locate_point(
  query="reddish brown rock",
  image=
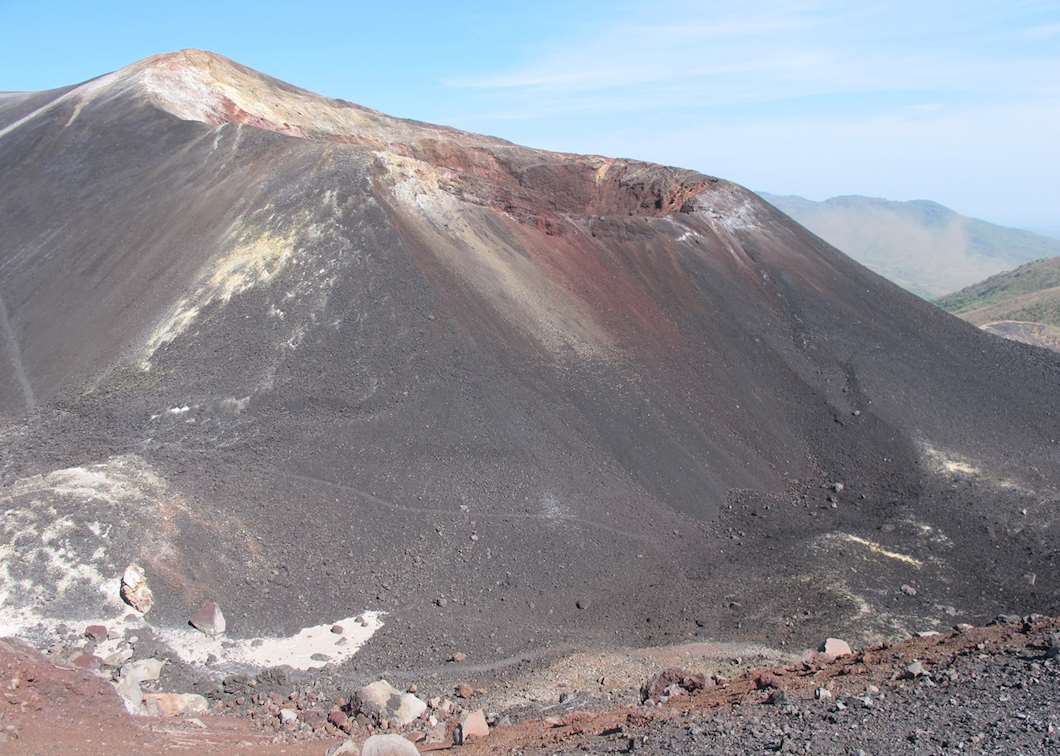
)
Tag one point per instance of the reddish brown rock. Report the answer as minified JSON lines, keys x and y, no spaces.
{"x":833,"y":648}
{"x":87,"y":661}
{"x":664,"y":684}
{"x":472,"y":725}
{"x":134,"y":590}
{"x":96,"y":632}
{"x":209,"y":619}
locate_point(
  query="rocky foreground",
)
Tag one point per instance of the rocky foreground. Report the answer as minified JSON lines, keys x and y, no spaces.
{"x":989,"y":689}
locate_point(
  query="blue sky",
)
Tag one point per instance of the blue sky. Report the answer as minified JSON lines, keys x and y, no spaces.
{"x":953,"y":101}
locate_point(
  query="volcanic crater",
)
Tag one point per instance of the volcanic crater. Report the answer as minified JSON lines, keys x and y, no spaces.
{"x":313,"y":362}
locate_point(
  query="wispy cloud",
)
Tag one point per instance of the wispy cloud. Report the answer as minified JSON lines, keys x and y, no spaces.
{"x":803,"y":95}
{"x":729,"y":55}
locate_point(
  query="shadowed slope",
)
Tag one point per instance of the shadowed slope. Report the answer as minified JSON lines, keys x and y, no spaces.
{"x":365,"y":363}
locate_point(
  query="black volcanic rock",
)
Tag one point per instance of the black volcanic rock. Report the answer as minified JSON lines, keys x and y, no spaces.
{"x":312,"y":360}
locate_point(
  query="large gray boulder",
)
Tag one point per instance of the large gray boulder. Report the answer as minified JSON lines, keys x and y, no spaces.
{"x":383,"y":701}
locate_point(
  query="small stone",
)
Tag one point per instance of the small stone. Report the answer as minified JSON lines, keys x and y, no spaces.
{"x":838,"y":487}
{"x":209,"y":619}
{"x":337,"y":629}
{"x":582,"y":604}
{"x":288,"y":716}
{"x":463,"y":690}
{"x":908,"y":590}
{"x":441,"y":602}
{"x":458,"y":657}
{"x":777,"y":698}
{"x":174,"y":704}
{"x":472,"y":725}
{"x":915,"y":670}
{"x":97,"y":633}
{"x":833,"y":648}
{"x":963,"y":627}
{"x":822,"y":694}
{"x":118,"y":658}
{"x":1053,"y":649}
{"x":134,"y":590}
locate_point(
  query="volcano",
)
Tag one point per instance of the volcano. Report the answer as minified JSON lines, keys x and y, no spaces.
{"x":310,"y":361}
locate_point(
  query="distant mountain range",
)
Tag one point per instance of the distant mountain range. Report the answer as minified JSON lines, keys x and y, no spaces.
{"x":1021,"y":304}
{"x":920,"y":245}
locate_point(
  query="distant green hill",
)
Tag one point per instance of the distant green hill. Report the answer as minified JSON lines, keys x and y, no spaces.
{"x":1023,"y":303}
{"x":920,"y":245}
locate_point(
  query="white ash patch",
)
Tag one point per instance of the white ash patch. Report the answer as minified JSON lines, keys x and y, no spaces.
{"x":869,"y":547}
{"x":296,"y":650}
{"x":952,"y":464}
{"x":251,"y":261}
{"x":64,"y":538}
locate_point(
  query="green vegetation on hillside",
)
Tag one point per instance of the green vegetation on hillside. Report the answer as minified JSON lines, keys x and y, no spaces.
{"x":1030,"y":292}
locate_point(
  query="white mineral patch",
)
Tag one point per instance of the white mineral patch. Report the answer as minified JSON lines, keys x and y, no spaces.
{"x":295,"y":651}
{"x":944,"y":462}
{"x":875,"y":548}
{"x":253,"y":260}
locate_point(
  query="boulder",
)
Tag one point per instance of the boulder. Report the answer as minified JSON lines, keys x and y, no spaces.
{"x":209,"y":619}
{"x":134,"y":589}
{"x":833,"y":648}
{"x":669,"y":681}
{"x":388,"y":745}
{"x":174,"y":704}
{"x":472,"y":725}
{"x":382,"y":700}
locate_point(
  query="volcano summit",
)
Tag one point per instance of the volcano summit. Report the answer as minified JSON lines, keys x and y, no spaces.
{"x":317,"y":364}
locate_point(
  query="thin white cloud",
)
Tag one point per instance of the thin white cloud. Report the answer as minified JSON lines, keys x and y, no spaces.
{"x":951,"y":100}
{"x":1043,"y":31}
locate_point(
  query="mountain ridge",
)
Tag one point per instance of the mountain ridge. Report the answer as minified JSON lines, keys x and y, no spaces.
{"x":920,"y":244}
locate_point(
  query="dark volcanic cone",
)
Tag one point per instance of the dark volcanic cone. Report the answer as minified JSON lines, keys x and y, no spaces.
{"x":308,"y":360}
